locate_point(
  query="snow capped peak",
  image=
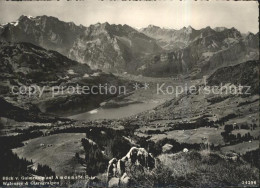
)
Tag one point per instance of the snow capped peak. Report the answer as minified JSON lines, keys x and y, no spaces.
{"x":14,"y":23}
{"x":2,"y":25}
{"x":30,"y":17}
{"x":26,"y":17}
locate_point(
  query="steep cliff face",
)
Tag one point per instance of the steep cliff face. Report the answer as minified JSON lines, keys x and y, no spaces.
{"x":45,"y":31}
{"x":252,"y":40}
{"x":112,"y":47}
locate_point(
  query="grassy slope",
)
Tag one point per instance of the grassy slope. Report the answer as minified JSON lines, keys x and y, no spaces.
{"x":59,"y":156}
{"x":199,"y":169}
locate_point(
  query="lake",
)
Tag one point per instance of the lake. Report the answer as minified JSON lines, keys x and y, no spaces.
{"x":115,"y":113}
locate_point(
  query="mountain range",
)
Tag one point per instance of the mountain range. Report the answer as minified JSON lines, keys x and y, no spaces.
{"x":151,"y":51}
{"x":199,"y":52}
{"x":104,"y":46}
{"x":177,"y":39}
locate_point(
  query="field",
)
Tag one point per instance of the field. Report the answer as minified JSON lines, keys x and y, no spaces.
{"x":242,"y":148}
{"x":200,"y":135}
{"x":57,"y":151}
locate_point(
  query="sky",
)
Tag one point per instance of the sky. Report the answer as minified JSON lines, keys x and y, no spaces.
{"x":242,"y":15}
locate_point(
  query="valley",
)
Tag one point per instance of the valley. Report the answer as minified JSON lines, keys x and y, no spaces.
{"x":193,"y":121}
{"x":146,"y":136}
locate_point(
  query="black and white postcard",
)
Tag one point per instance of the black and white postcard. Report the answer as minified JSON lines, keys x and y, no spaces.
{"x":129,"y":93}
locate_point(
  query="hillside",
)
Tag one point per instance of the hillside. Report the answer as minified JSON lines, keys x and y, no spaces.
{"x":201,"y":117}
{"x":24,"y":64}
{"x":28,"y":63}
{"x":245,"y":74}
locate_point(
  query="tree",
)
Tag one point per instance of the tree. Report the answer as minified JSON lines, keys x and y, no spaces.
{"x":228,"y":128}
{"x":77,"y":155}
{"x":238,"y":136}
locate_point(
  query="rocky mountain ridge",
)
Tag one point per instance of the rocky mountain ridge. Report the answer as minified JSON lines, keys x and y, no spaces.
{"x":205,"y":51}
{"x":151,"y":51}
{"x":45,"y":31}
{"x":171,"y":39}
{"x":108,"y":47}
{"x":113,"y":47}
